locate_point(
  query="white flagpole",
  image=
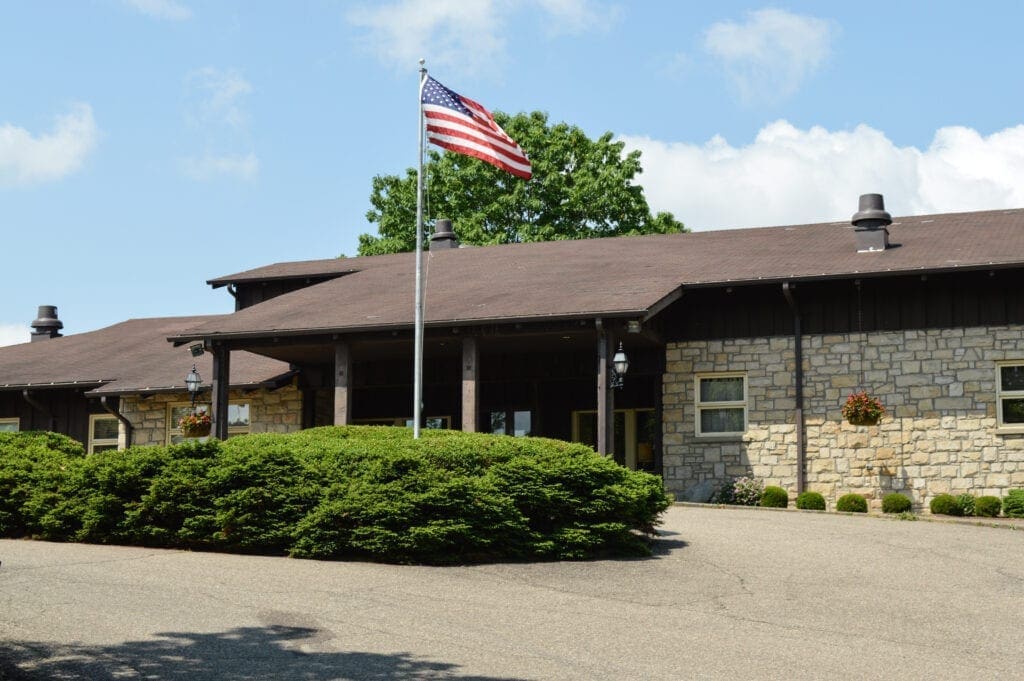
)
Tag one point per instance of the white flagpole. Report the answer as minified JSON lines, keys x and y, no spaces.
{"x":417,"y":386}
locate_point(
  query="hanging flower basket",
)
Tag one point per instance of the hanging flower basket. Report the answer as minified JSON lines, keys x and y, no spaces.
{"x":196,"y":424}
{"x":861,"y":409}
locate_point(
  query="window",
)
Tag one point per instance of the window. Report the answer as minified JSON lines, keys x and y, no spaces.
{"x":103,"y":432}
{"x":721,"y":404}
{"x":511,"y":422}
{"x":429,"y":422}
{"x":238,"y":419}
{"x":633,"y":445}
{"x":10,"y":425}
{"x":1010,"y":396}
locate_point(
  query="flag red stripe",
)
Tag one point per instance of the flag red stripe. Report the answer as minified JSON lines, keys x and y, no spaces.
{"x":520,"y":162}
{"x":526,"y":175}
{"x":500,"y":146}
{"x":457,"y":119}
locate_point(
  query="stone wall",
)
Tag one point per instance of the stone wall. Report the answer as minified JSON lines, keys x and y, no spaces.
{"x":277,"y":411}
{"x":939,"y":433}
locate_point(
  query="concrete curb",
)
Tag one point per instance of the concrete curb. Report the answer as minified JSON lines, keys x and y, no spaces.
{"x":1001,"y":523}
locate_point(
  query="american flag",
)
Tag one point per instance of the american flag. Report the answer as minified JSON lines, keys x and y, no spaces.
{"x":459,"y":124}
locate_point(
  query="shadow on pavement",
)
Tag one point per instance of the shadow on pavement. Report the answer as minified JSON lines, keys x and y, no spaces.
{"x":246,"y":653}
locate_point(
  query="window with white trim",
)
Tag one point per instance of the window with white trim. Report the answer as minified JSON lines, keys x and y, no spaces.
{"x":1010,"y":395}
{"x":103,"y":432}
{"x":721,"y":404}
{"x":10,"y":425}
{"x":238,"y":419}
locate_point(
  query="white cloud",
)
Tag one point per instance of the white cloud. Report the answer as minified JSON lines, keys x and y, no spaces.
{"x":161,"y":9}
{"x":210,"y":167}
{"x":792,"y":176}
{"x":768,"y":57}
{"x":218,"y":95}
{"x":30,"y":159}
{"x":12,"y":334}
{"x":463,"y":36}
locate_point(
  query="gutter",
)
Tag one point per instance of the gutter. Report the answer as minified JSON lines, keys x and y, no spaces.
{"x":798,"y":379}
{"x":120,"y":417}
{"x":38,"y":406}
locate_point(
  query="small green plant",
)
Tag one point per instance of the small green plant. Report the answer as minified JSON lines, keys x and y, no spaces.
{"x":1013,"y":504}
{"x":987,"y":507}
{"x":907,"y":515}
{"x":852,"y":503}
{"x":747,"y":491}
{"x":810,"y":501}
{"x":895,"y":502}
{"x":774,"y":497}
{"x":945,"y":504}
{"x":966,"y":503}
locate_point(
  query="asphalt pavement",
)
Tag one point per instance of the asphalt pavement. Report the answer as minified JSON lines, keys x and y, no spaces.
{"x":730,"y":594}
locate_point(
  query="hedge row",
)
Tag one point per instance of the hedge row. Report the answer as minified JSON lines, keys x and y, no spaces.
{"x":337,"y":492}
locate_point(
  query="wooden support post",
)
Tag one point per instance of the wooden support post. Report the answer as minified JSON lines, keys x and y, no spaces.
{"x":470,"y":392}
{"x":219,"y":397}
{"x":603,"y":379}
{"x":342,"y":384}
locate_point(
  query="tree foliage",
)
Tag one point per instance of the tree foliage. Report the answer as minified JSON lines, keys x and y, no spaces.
{"x":581,"y":188}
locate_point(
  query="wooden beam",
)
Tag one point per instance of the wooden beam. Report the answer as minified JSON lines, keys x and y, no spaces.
{"x":342,"y":384}
{"x":603,"y":379}
{"x":470,"y":386}
{"x":221,"y":381}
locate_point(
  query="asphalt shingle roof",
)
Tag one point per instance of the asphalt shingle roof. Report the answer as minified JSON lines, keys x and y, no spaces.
{"x":605,"y":277}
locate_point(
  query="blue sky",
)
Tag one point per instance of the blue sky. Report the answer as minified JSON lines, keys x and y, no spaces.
{"x":149,"y":145}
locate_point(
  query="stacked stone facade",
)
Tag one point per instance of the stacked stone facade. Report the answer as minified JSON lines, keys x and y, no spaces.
{"x":277,"y":411}
{"x":939,"y":433}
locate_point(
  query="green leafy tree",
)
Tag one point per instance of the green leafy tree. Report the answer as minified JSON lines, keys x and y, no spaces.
{"x":581,"y":188}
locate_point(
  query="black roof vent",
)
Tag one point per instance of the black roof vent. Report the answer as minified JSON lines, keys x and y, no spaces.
{"x":46,"y":325}
{"x":870,"y":222}
{"x":444,"y":236}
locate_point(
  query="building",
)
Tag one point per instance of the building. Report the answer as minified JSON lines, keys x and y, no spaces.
{"x":742,"y":347}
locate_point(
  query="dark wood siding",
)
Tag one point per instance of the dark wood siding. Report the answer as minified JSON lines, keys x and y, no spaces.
{"x":249,"y":294}
{"x":880,"y":304}
{"x":70,"y":410}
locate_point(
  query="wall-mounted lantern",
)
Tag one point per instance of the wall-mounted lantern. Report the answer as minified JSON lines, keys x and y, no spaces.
{"x":193,"y":383}
{"x":620,"y":365}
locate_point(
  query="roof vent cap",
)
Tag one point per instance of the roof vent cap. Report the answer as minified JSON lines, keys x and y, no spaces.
{"x":871,"y":213}
{"x":46,"y":324}
{"x":444,"y":235}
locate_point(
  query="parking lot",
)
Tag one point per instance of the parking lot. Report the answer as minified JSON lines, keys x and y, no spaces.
{"x":730,"y":593}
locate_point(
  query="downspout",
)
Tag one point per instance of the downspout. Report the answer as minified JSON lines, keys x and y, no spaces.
{"x":798,"y":378}
{"x":38,"y":406}
{"x":120,"y":417}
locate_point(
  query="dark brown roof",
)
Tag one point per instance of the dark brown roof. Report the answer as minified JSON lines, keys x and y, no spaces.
{"x":130,"y":357}
{"x":609,"y":277}
{"x":306,"y":269}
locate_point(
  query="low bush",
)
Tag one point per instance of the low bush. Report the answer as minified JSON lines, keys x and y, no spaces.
{"x":945,"y":504}
{"x":966,"y":503}
{"x":895,"y":502}
{"x":987,"y":507}
{"x":740,"y":492}
{"x":363,"y":492}
{"x":774,"y":497}
{"x":810,"y":501}
{"x":1013,"y":504}
{"x":852,"y":503}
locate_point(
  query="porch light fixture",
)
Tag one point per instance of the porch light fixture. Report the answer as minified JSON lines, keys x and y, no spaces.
{"x":192,"y":383}
{"x":620,"y":365}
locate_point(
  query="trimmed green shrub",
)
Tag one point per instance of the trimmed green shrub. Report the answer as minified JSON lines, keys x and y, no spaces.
{"x":1013,"y":504}
{"x":966,"y":504}
{"x":894,"y":502}
{"x":364,"y":492}
{"x":852,"y":503}
{"x":810,"y":501}
{"x":987,"y":507}
{"x":774,"y":497}
{"x":945,"y":504}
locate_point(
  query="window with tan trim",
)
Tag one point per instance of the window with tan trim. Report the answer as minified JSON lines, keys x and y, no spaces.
{"x":104,"y":431}
{"x":1010,"y":395}
{"x":720,"y":404}
{"x":10,"y":425}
